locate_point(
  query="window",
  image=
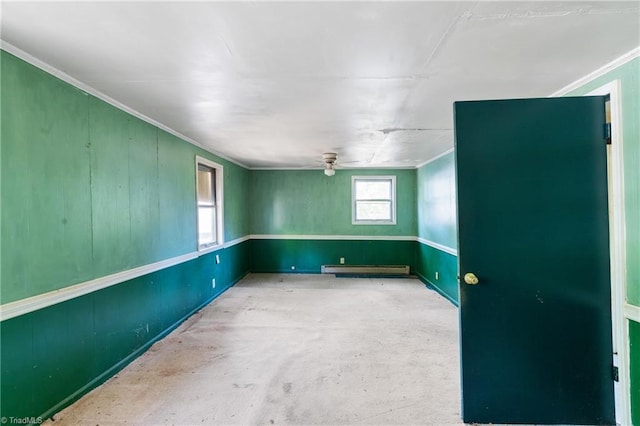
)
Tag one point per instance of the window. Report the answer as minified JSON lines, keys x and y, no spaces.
{"x":209,"y":198}
{"x":374,"y":200}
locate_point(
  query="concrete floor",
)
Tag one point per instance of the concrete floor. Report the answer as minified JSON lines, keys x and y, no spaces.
{"x":295,"y":349}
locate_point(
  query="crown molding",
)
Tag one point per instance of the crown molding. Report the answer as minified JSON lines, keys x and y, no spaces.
{"x":627,"y":57}
{"x":50,"y":69}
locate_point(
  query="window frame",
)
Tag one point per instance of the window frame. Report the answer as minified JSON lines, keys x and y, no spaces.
{"x":218,"y":204}
{"x":354,"y":200}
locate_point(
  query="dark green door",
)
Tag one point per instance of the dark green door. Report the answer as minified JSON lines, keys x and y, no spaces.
{"x":535,"y":331}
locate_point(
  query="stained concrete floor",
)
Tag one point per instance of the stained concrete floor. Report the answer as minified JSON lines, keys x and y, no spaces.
{"x":297,"y":350}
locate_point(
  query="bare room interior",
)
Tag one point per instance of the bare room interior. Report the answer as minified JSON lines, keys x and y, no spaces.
{"x":240,"y":213}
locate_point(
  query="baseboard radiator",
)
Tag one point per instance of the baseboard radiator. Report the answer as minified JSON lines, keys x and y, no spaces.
{"x":366,"y":269}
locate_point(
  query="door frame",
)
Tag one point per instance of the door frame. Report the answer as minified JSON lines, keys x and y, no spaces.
{"x":617,"y":252}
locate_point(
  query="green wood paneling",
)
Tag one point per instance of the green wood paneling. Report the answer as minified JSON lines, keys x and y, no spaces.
{"x":634,"y":356}
{"x":52,"y":356}
{"x":16,"y":121}
{"x":89,"y":190}
{"x":111,"y":208}
{"x":436,"y":201}
{"x":629,"y":76}
{"x":436,"y":210}
{"x":63,"y":336}
{"x":237,"y":202}
{"x":18,"y":376}
{"x":430,"y":260}
{"x":121,"y":327}
{"x":177,"y":209}
{"x":46,"y":234}
{"x":143,"y":192}
{"x":234,"y":262}
{"x":306,"y":202}
{"x":309,"y":255}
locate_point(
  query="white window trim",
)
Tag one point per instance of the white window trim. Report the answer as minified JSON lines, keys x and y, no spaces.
{"x":219,"y":168}
{"x":392,"y":178}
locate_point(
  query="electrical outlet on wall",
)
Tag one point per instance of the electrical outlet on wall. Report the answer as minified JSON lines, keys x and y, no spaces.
{"x":437,"y":275}
{"x":213,"y":283}
{"x":342,"y":260}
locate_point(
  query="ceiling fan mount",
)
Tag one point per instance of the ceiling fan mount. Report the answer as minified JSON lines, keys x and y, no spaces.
{"x":329,"y":159}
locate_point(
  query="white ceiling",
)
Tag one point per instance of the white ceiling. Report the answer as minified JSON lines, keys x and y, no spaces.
{"x":275,"y":85}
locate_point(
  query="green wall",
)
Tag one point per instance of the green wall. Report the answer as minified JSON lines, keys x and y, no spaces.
{"x":629,"y":76}
{"x":308,"y":256}
{"x":430,"y":260}
{"x":436,"y":212}
{"x":306,"y":202}
{"x":436,"y":200}
{"x":53,"y":356}
{"x":89,"y":191}
{"x":287,"y":204}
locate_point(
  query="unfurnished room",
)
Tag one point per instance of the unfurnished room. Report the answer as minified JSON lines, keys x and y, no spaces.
{"x":328,"y":213}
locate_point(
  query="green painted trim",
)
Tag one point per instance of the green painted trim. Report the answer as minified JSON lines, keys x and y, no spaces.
{"x":437,"y":289}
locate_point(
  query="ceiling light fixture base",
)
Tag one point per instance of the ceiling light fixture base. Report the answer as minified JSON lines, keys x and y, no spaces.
{"x":330,"y":159}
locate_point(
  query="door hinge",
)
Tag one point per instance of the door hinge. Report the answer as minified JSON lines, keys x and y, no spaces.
{"x":607,"y":133}
{"x":615,"y":374}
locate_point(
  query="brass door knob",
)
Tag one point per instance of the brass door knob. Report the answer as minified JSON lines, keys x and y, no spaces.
{"x":470,"y":278}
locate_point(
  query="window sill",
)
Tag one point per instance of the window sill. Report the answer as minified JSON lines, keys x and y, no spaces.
{"x":373,"y":223}
{"x":208,"y":248}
